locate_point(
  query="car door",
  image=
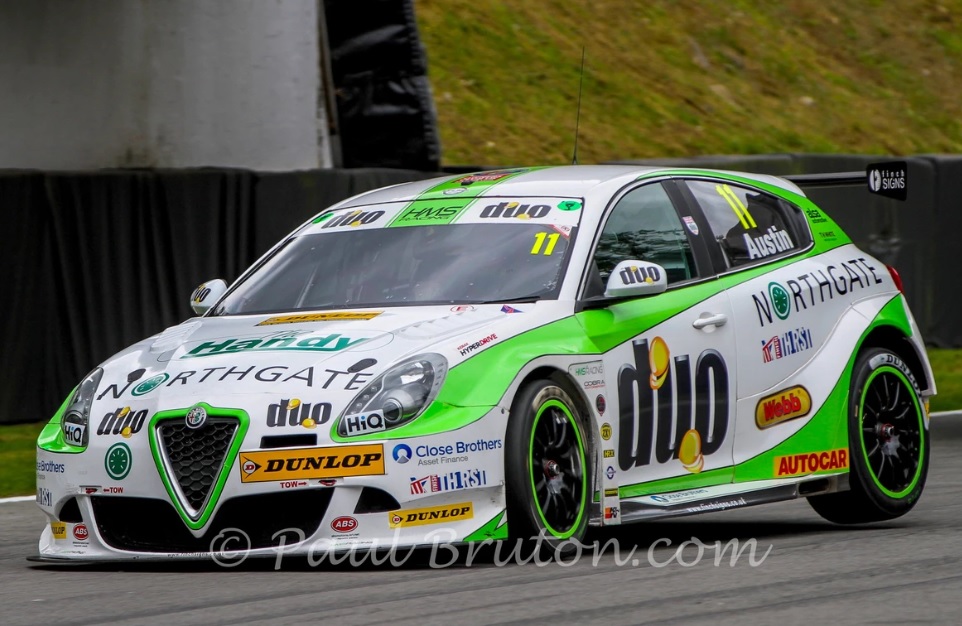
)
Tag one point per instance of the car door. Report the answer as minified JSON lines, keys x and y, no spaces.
{"x":668,"y":380}
{"x":778,"y":330}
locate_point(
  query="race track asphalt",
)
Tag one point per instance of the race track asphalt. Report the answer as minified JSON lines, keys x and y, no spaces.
{"x":815,"y":573}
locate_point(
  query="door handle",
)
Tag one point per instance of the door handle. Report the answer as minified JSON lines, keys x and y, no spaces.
{"x":710,"y":319}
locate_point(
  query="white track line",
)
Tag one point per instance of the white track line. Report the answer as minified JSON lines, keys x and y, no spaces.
{"x":17,"y":499}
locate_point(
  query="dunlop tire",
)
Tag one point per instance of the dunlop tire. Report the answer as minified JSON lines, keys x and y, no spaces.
{"x":867,"y":501}
{"x":524,"y":521}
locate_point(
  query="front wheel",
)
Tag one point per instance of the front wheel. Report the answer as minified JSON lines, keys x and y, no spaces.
{"x":888,"y":443}
{"x":546,"y":468}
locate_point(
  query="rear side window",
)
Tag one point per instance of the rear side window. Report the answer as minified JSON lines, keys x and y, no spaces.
{"x":750,"y":226}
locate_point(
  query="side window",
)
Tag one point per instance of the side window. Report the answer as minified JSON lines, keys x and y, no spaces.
{"x":644,"y":226}
{"x":750,"y":225}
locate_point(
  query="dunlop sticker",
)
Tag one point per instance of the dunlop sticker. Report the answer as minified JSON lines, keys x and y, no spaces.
{"x":431,"y":515}
{"x":59,"y":530}
{"x":309,"y":463}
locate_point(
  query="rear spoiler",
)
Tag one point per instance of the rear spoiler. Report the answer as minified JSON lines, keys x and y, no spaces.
{"x":889,"y":179}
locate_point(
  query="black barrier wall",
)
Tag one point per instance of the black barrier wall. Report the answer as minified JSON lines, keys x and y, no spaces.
{"x":92,"y":262}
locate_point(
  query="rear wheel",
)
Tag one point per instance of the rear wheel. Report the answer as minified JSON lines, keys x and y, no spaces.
{"x":547,"y":473}
{"x":888,"y":443}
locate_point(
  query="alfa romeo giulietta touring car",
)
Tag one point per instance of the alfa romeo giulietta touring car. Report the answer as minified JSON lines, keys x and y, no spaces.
{"x":509,"y":354}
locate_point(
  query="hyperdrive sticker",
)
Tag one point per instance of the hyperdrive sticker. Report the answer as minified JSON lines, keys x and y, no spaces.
{"x":309,"y":463}
{"x":431,"y":515}
{"x":335,"y":316}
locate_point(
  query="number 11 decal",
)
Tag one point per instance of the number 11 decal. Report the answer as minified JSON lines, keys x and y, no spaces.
{"x":539,"y":241}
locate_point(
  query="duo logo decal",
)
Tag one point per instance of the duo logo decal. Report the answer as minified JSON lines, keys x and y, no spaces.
{"x":686,"y":430}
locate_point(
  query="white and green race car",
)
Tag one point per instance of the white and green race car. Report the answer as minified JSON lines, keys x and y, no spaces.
{"x":508,"y":354}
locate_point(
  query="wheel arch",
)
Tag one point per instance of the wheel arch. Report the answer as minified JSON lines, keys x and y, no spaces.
{"x":548,"y":372}
{"x":561,"y":377}
{"x":893,"y":338}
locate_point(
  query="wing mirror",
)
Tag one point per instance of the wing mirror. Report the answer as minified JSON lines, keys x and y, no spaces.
{"x":636,"y":278}
{"x":206,"y":295}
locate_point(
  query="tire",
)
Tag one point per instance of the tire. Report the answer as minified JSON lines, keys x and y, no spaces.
{"x":888,"y":443}
{"x":547,"y":473}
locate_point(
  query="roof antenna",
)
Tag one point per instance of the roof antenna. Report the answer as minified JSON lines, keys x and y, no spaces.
{"x":581,"y":82}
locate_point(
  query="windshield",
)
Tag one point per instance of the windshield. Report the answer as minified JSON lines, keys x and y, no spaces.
{"x":462,"y":263}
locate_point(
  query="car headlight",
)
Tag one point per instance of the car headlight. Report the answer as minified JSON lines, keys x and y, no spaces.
{"x":77,"y":416}
{"x":395,"y":397}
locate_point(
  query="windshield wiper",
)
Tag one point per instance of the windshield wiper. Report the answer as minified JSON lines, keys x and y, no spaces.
{"x":529,"y":298}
